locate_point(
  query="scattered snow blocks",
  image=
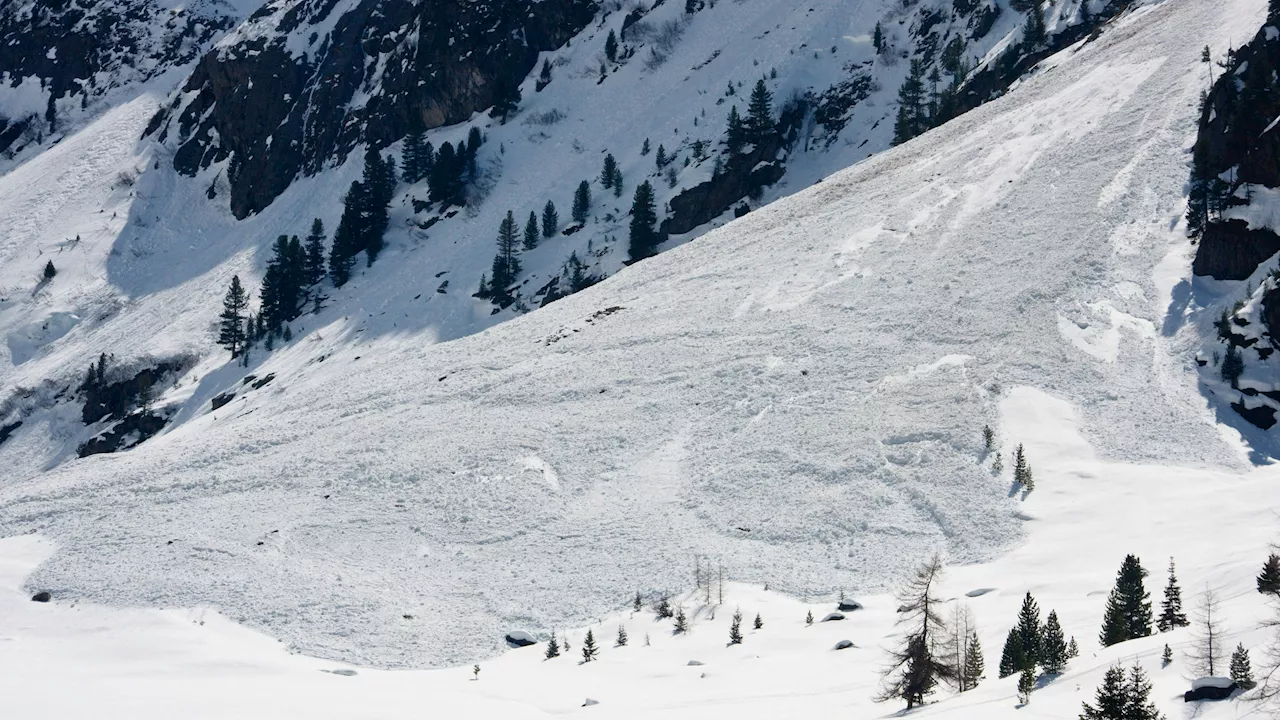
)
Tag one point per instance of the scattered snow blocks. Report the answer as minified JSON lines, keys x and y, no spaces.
{"x":833,"y":616}
{"x":520,"y":638}
{"x":843,"y":645}
{"x":1210,"y":688}
{"x":42,"y":596}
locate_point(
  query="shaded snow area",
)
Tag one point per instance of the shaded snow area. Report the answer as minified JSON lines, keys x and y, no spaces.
{"x":799,"y":394}
{"x":1084,"y":516}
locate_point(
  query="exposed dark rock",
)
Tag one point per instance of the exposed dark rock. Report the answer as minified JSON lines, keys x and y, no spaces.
{"x":831,"y":617}
{"x":222,"y":399}
{"x":263,"y":381}
{"x":131,"y":431}
{"x":7,"y":430}
{"x":442,"y":62}
{"x":1231,"y":251}
{"x":743,"y":175}
{"x":114,"y":400}
{"x":1263,"y":416}
{"x":520,"y":638}
{"x":1210,"y":692}
{"x":849,"y":605}
{"x":42,"y":596}
{"x":843,"y":645}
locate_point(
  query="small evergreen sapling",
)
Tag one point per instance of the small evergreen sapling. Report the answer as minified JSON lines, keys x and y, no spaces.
{"x":637,"y":603}
{"x":1073,"y":650}
{"x":553,"y":647}
{"x":808,"y":618}
{"x":758,"y":622}
{"x":621,"y":640}
{"x":589,"y":648}
{"x":1241,"y":672}
{"x":663,"y":608}
{"x":1269,"y":578}
{"x":1166,"y":657}
{"x":735,"y":628}
{"x":1022,"y":470}
{"x":682,"y":622}
{"x":1026,"y":683}
{"x":974,"y":663}
{"x":988,"y":438}
{"x":1171,"y":615}
{"x":49,"y":270}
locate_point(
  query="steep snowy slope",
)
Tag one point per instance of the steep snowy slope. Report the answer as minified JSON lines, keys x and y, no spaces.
{"x":799,"y":393}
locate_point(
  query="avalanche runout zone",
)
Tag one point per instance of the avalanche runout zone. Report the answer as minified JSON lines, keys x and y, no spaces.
{"x":826,"y":436}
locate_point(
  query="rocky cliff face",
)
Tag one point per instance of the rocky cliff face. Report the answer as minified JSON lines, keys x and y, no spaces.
{"x":304,"y":81}
{"x":59,"y":58}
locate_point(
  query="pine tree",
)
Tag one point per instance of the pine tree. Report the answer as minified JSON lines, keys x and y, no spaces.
{"x":553,"y":647}
{"x":1232,"y":366}
{"x":506,"y":100}
{"x":660,"y":159}
{"x":808,"y":618}
{"x":1269,"y":578}
{"x":759,"y":623}
{"x":644,"y":149}
{"x":1166,"y":657}
{"x":1111,"y":700}
{"x":644,"y":234}
{"x":445,"y":177}
{"x":1011,"y":658}
{"x":735,"y":136}
{"x":1029,"y":633}
{"x":735,"y":628}
{"x":589,"y":648}
{"x":611,"y":47}
{"x":911,"y":119}
{"x":531,"y":232}
{"x":917,"y":667}
{"x":1241,"y":672}
{"x":544,"y":77}
{"x":973,"y":662}
{"x":1026,"y":683}
{"x":621,"y":640}
{"x":1073,"y":650}
{"x":637,"y":603}
{"x":1022,"y":470}
{"x":1128,"y":612}
{"x":877,"y":39}
{"x":49,"y":270}
{"x":617,"y":181}
{"x":760,"y":114}
{"x":1053,"y":646}
{"x":1171,"y":615}
{"x":988,"y":438}
{"x":313,"y":266}
{"x":663,"y":608}
{"x":231,"y":334}
{"x":412,"y":168}
{"x":1034,"y":34}
{"x":682,"y":623}
{"x":380,"y":180}
{"x":582,"y":202}
{"x":1138,"y":705}
{"x":609,"y":171}
{"x":550,"y":219}
{"x":506,"y":264}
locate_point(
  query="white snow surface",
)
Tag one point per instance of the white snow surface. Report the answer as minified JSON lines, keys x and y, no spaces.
{"x":148,"y":664}
{"x":798,"y":394}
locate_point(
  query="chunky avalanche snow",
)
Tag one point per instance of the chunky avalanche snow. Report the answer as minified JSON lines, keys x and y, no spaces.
{"x":799,"y":393}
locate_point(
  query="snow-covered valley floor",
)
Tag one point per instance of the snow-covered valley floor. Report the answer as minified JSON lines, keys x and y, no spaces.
{"x":69,"y":659}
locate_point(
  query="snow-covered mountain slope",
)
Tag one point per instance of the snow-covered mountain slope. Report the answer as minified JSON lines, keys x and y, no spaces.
{"x":1087,"y":514}
{"x":799,"y":393}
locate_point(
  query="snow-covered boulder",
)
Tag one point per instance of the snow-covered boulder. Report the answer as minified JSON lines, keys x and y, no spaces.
{"x":843,"y":645}
{"x":1210,"y":688}
{"x":42,"y":596}
{"x":520,"y":638}
{"x":848,"y":605}
{"x":833,"y":616}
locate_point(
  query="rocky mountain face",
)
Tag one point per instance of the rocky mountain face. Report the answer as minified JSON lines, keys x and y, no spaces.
{"x":304,"y":81}
{"x":63,"y":59}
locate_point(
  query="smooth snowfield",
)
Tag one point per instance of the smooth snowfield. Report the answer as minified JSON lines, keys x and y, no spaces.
{"x":799,"y":394}
{"x":145,"y":664}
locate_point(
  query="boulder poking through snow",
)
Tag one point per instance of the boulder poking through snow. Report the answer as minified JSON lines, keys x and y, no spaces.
{"x":42,"y":596}
{"x":844,"y":645}
{"x":520,"y":638}
{"x":1210,"y":688}
{"x":833,"y":616}
{"x":847,"y":605}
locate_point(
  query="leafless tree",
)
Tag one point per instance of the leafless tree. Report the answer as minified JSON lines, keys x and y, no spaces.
{"x":921,"y":662}
{"x":1205,"y":656}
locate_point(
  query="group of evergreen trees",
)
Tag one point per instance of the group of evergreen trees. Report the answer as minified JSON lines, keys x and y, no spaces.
{"x":1122,"y":696}
{"x":506,"y":263}
{"x":364,"y":217}
{"x":1031,"y":644}
{"x":447,"y":171}
{"x":758,"y":126}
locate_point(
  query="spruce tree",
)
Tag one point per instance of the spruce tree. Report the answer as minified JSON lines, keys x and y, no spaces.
{"x":808,"y":617}
{"x":1029,"y":633}
{"x":988,"y":438}
{"x":1011,"y":658}
{"x":445,"y":177}
{"x":760,"y":114}
{"x":553,"y":647}
{"x":380,"y":181}
{"x":617,"y":181}
{"x":506,"y":264}
{"x":759,"y":623}
{"x":611,"y":47}
{"x":531,"y":232}
{"x":1269,"y":578}
{"x":1053,"y":646}
{"x":644,"y":234}
{"x":1138,"y":705}
{"x":644,"y":149}
{"x":735,"y":136}
{"x":609,"y":171}
{"x":682,"y":622}
{"x":49,"y":270}
{"x":877,"y":39}
{"x":1241,"y":672}
{"x":1073,"y":650}
{"x":550,"y":219}
{"x":313,"y":265}
{"x":231,"y":333}
{"x":621,"y":640}
{"x":1166,"y":656}
{"x":1232,"y":366}
{"x":637,"y":603}
{"x":1034,"y":34}
{"x":589,"y":648}
{"x":1171,"y":615}
{"x":1022,"y":470}
{"x":411,"y":160}
{"x":1026,"y":683}
{"x":735,"y":628}
{"x":506,"y":100}
{"x":1111,"y":699}
{"x":973,"y":662}
{"x":912,"y":120}
{"x":660,"y":159}
{"x":582,"y":202}
{"x":1128,"y":611}
{"x":663,"y":608}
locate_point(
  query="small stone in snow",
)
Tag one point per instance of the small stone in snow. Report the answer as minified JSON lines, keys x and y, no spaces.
{"x":42,"y":596}
{"x":843,"y":645}
{"x":695,"y":662}
{"x":833,"y":616}
{"x":589,"y":701}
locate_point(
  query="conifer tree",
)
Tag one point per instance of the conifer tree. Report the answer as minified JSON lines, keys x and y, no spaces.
{"x":644,"y":149}
{"x":1022,"y":470}
{"x":550,"y":219}
{"x":917,"y":667}
{"x":644,"y":234}
{"x":506,"y":264}
{"x":313,"y":265}
{"x":735,"y":136}
{"x":231,"y":333}
{"x":1232,"y":366}
{"x":506,"y":100}
{"x":660,"y":159}
{"x":1073,"y":650}
{"x":411,"y":161}
{"x":582,"y":202}
{"x":1205,"y":655}
{"x":759,"y":623}
{"x":988,"y":438}
{"x":553,"y":647}
{"x":637,"y":603}
{"x":1053,"y":646}
{"x":973,"y":662}
{"x":808,"y":617}
{"x":1011,"y":658}
{"x":1128,"y":612}
{"x":1166,"y":656}
{"x":877,"y":39}
{"x":531,"y":232}
{"x":1269,"y":578}
{"x":760,"y":114}
{"x":735,"y":628}
{"x":617,"y":181}
{"x":544,"y":76}
{"x":380,"y":180}
{"x":1026,"y":683}
{"x":621,"y":640}
{"x":445,"y":176}
{"x":682,"y":622}
{"x":1171,"y":615}
{"x":1138,"y":705}
{"x":609,"y":171}
{"x":1034,"y":34}
{"x":49,"y":270}
{"x":611,"y":47}
{"x":911,"y":119}
{"x":1029,"y":633}
{"x":589,"y":648}
{"x":1241,"y":672}
{"x":1111,"y":700}
{"x":663,"y":608}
